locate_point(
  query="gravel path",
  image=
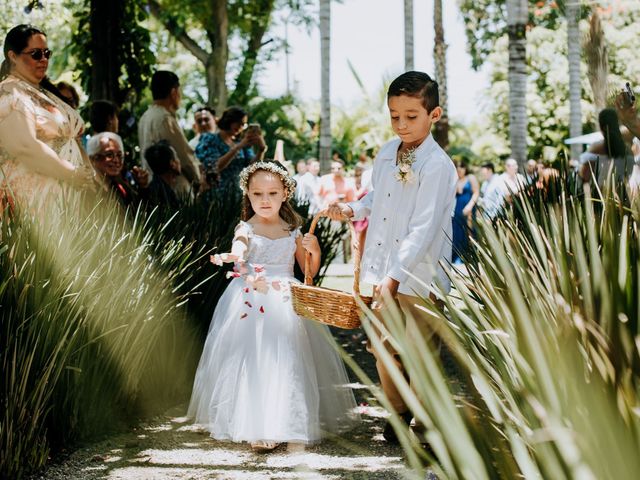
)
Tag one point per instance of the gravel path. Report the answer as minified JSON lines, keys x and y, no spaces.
{"x":170,"y":447}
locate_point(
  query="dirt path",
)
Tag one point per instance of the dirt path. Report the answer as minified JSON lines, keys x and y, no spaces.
{"x":170,"y":447}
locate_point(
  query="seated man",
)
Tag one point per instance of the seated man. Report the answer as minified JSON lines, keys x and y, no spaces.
{"x":105,"y":150}
{"x":163,"y":161}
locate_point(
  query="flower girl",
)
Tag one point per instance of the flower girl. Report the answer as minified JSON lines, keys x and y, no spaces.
{"x":266,"y":375}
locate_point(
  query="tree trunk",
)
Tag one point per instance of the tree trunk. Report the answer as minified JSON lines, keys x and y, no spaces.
{"x":517,"y":17}
{"x":259,"y":27}
{"x":441,"y":129}
{"x":575,"y":85}
{"x":218,"y":34}
{"x":408,"y":35}
{"x":597,"y":61}
{"x":325,"y":94}
{"x":105,"y":20}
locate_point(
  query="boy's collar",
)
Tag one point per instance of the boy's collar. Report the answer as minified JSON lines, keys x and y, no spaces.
{"x":427,"y":145}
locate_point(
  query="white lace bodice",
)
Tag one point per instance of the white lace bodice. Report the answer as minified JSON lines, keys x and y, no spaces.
{"x":267,"y":251}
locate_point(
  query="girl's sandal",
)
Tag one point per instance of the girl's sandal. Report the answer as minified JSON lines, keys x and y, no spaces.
{"x":263,"y":446}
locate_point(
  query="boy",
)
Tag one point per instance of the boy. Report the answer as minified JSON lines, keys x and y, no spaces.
{"x":409,"y":209}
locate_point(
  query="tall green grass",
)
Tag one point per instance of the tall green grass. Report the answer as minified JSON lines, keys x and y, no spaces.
{"x":102,"y":317}
{"x":544,"y":336}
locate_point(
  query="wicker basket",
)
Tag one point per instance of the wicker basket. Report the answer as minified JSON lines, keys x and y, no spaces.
{"x":325,"y":305}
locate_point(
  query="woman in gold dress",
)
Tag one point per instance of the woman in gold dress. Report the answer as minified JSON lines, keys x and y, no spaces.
{"x":39,"y":133}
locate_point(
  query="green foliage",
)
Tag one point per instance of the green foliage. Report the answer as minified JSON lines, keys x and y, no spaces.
{"x":544,"y":334}
{"x":548,"y":86}
{"x":132,"y":50}
{"x":93,"y":333}
{"x":486,"y":21}
{"x":102,"y":317}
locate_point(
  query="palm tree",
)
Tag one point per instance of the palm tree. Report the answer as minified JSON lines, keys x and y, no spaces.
{"x":575,"y":85}
{"x":408,"y":35}
{"x":517,"y":17}
{"x":595,"y":48}
{"x":441,"y":132}
{"x":325,"y":94}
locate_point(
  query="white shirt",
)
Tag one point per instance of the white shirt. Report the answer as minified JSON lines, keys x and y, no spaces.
{"x":307,"y":187}
{"x":410,"y":229}
{"x":493,"y":191}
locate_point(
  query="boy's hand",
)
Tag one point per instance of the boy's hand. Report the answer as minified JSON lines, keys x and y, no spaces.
{"x":339,"y":211}
{"x":310,"y":243}
{"x":386,"y":291}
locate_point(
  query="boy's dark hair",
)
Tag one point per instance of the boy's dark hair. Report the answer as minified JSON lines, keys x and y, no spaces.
{"x":101,"y":112}
{"x":159,"y":157}
{"x":229,"y":116}
{"x":490,"y":166}
{"x":418,"y":85}
{"x":162,"y":82}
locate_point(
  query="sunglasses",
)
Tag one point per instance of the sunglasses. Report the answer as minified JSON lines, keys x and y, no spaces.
{"x":38,"y":53}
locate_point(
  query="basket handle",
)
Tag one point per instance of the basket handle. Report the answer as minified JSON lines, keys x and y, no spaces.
{"x":308,"y":280}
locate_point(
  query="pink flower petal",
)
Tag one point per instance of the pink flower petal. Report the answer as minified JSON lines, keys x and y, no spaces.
{"x":244,"y":315}
{"x":258,"y":268}
{"x":276,"y":285}
{"x":261,"y":309}
{"x":246,"y":289}
{"x":248,"y":304}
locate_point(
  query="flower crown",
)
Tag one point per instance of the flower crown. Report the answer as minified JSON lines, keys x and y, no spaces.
{"x":273,"y":167}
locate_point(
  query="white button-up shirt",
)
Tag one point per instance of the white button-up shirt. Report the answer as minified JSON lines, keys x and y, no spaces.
{"x":410,"y":229}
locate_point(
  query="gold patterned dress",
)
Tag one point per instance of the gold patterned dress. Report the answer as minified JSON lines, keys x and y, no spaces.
{"x":39,"y":137}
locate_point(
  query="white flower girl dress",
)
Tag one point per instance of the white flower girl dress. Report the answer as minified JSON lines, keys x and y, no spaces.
{"x":267,"y":374}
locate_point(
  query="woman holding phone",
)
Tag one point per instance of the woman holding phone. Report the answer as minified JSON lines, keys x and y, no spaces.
{"x":225,"y":153}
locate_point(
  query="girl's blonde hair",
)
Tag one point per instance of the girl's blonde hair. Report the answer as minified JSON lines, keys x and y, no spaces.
{"x":287,"y":213}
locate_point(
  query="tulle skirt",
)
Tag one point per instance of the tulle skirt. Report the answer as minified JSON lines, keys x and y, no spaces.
{"x":267,"y":374}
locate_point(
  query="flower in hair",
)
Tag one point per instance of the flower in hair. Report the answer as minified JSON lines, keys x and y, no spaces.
{"x":288,"y":182}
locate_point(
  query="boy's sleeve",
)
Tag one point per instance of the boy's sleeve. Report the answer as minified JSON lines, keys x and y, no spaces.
{"x":362,"y":208}
{"x":435,"y":193}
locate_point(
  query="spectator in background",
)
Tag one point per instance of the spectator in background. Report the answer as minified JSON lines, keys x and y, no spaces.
{"x":609,"y":154}
{"x":106,"y":152}
{"x":161,"y":157}
{"x":512,"y":181}
{"x":531,"y":171}
{"x":360,"y":226}
{"x":492,"y":191}
{"x":69,"y":94}
{"x":204,"y":121}
{"x":308,"y":186}
{"x":225,"y":153}
{"x":159,"y":122}
{"x":334,"y":187}
{"x":467,"y":194}
{"x":301,"y":169}
{"x":104,"y":116}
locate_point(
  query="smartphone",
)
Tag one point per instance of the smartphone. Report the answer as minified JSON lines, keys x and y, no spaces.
{"x":253,"y":129}
{"x":628,"y":94}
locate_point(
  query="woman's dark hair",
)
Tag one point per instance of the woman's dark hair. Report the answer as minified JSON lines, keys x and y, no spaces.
{"x":418,"y":85}
{"x":159,"y":157}
{"x":462,"y":163}
{"x":102,"y":111}
{"x":162,"y":82}
{"x":74,"y":101}
{"x":16,"y":41}
{"x":229,"y":116}
{"x":610,"y":127}
{"x":287,"y":212}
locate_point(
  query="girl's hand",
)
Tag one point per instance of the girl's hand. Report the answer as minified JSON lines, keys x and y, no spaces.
{"x":310,"y":243}
{"x":219,"y":259}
